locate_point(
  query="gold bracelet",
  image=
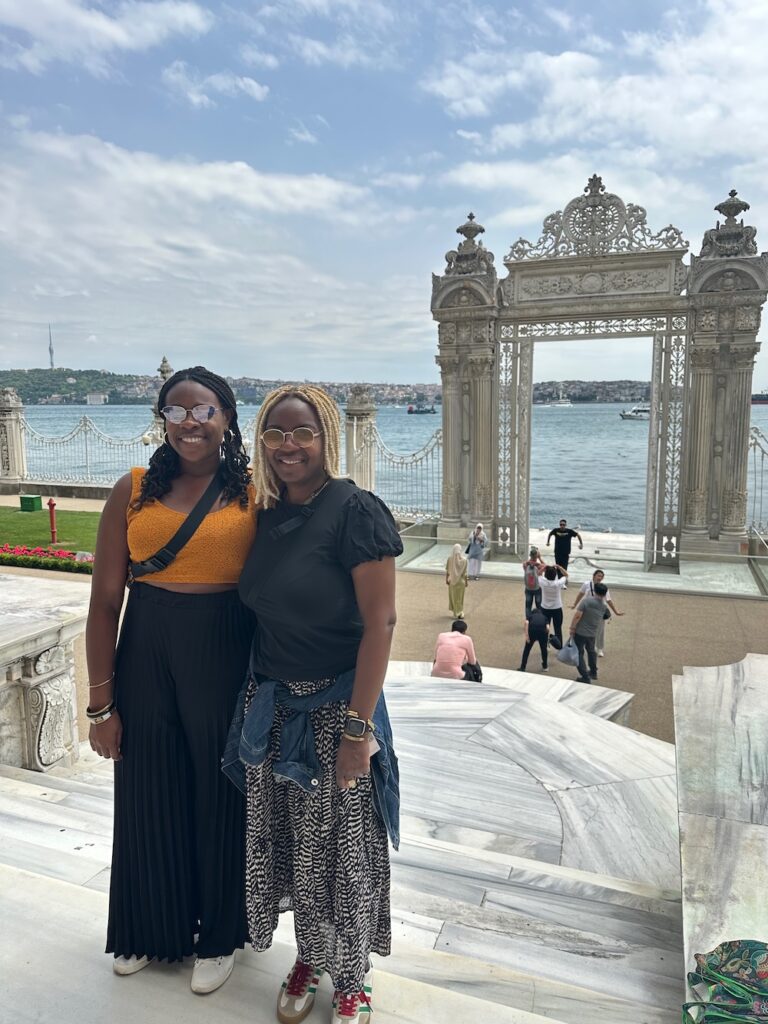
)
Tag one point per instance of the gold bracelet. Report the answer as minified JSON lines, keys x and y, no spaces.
{"x":95,"y":686}
{"x":355,"y":739}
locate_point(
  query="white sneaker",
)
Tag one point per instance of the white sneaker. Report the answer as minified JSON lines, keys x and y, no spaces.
{"x":130,"y":964}
{"x":601,"y":654}
{"x":210,"y":973}
{"x":356,"y":1009}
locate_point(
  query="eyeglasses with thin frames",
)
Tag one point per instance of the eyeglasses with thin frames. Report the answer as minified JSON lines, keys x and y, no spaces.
{"x":302,"y":437}
{"x":200,"y":413}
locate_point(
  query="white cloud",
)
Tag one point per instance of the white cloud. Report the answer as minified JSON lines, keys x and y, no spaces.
{"x":345,"y":52}
{"x":469,"y":136}
{"x":72,"y":31}
{"x":300,"y":133}
{"x":258,"y":58}
{"x":559,"y":17}
{"x":393,"y":179}
{"x":195,"y":88}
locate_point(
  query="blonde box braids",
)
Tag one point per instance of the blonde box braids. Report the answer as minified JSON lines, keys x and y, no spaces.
{"x":265,"y":481}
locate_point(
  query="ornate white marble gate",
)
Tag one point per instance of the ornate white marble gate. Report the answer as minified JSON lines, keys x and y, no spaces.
{"x":599,"y":272}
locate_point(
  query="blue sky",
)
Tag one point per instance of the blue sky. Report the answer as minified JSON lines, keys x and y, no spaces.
{"x":267,"y":188}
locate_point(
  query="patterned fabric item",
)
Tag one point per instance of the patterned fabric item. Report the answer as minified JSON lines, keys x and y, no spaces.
{"x":735,"y":975}
{"x":322,"y":854}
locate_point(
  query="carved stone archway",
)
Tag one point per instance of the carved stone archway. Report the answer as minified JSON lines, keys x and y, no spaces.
{"x":598,"y":271}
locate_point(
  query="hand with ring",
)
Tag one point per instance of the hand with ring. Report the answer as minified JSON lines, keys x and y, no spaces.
{"x":351,"y":783}
{"x":353,"y":761}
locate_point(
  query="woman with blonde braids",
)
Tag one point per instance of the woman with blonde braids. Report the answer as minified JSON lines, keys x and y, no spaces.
{"x":311,"y":742}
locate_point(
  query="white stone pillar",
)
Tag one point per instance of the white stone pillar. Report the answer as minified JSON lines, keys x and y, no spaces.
{"x":699,"y":438}
{"x":734,"y":500}
{"x":13,"y":455}
{"x":451,"y":387}
{"x":481,"y":370}
{"x":360,"y":447}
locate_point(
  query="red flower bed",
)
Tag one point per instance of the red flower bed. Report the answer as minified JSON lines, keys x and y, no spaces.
{"x":45,"y":558}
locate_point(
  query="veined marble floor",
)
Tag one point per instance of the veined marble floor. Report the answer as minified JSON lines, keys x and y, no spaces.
{"x":620,"y":555}
{"x":721,"y":724}
{"x":536,"y":878}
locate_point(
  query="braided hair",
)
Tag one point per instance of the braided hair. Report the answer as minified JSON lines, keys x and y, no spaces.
{"x":265,"y":481}
{"x":164,"y":463}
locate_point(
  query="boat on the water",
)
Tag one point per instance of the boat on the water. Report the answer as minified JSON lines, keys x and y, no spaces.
{"x":761,"y":397}
{"x":637,"y":412}
{"x":421,"y":410}
{"x":562,"y":402}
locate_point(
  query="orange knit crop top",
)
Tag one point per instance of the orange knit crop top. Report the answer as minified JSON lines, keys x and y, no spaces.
{"x":215,"y":553}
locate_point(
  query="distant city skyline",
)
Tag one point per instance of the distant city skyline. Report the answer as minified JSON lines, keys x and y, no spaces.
{"x":268,"y":188}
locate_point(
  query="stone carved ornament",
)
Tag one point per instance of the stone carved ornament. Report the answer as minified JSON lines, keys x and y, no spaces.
{"x":5,"y":450}
{"x":732,"y":237}
{"x":447,"y":334}
{"x":50,"y":709}
{"x":594,"y":224}
{"x":696,"y":508}
{"x":594,"y":283}
{"x":470,"y":257}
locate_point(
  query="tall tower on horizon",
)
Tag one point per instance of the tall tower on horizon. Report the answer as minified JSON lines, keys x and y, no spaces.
{"x":50,"y":346}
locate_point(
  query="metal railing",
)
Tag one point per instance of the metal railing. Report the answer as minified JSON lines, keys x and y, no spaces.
{"x":410,"y":484}
{"x":758,"y":484}
{"x":85,"y":455}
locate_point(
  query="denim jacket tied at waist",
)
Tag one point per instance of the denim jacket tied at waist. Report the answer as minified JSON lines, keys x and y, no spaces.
{"x":249,"y":737}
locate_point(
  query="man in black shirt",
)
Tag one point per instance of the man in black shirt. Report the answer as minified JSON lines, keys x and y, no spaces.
{"x":563,"y":535}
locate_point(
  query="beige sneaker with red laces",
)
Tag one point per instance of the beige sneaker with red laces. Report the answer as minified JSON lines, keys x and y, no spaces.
{"x":297,"y":994}
{"x":357,"y":1008}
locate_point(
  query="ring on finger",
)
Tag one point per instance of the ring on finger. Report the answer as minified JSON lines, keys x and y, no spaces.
{"x":351,"y":783}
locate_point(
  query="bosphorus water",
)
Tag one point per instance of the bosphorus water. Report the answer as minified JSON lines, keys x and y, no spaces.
{"x":587,"y":464}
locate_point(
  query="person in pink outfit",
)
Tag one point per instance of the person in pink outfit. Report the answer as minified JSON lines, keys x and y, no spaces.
{"x":452,"y":651}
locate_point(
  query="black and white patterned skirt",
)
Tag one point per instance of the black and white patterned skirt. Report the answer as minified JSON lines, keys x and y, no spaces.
{"x":322,"y":854}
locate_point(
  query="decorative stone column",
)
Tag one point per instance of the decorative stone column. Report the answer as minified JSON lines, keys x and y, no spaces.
{"x":728,"y":287}
{"x":361,"y":449}
{"x":465,"y":307}
{"x":156,"y":434}
{"x":13,"y":455}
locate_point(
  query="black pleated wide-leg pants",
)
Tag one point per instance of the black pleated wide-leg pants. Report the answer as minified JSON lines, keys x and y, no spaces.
{"x":178,"y":853}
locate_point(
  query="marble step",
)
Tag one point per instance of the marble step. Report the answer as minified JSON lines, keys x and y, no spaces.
{"x":61,"y":926}
{"x":489,"y":697}
{"x":68,"y":780}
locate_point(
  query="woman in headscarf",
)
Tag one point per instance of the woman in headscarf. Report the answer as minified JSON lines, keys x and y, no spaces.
{"x":475,"y":551}
{"x":456,"y":579}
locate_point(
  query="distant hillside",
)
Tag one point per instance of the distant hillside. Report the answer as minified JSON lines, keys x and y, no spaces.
{"x":69,"y":387}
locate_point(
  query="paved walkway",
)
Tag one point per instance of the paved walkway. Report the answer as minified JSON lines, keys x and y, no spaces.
{"x":658,"y":635}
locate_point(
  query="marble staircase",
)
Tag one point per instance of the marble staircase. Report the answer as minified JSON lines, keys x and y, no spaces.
{"x":535,"y":879}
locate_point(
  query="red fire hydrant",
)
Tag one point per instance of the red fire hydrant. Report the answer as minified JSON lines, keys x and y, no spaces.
{"x":52,"y":514}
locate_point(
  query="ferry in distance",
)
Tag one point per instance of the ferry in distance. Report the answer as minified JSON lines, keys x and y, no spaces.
{"x":637,"y":412}
{"x":761,"y":398}
{"x":562,"y":402}
{"x":421,"y":410}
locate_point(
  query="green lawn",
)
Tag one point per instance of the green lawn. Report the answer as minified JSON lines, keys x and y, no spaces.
{"x":75,"y":530}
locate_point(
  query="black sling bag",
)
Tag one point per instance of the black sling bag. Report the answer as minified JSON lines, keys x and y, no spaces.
{"x":163,"y":558}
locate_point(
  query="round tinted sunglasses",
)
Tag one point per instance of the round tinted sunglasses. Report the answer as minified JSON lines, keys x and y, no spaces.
{"x":302,"y":437}
{"x":200,"y":413}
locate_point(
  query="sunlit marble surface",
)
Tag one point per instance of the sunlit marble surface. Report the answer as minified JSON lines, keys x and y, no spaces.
{"x":597,"y":700}
{"x":721,"y":724}
{"x":29,"y":606}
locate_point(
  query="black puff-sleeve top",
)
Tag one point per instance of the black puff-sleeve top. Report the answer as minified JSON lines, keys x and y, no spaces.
{"x":299,"y":583}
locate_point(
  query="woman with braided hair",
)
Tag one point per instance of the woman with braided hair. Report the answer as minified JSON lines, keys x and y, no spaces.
{"x":314,"y":748}
{"x":162,"y":699}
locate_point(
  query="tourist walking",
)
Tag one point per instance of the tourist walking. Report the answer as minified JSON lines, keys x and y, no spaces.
{"x":588,"y":588}
{"x":563,"y":535}
{"x":584,"y":628}
{"x":161,"y":700}
{"x":476,"y":551}
{"x":314,"y":748}
{"x":552,"y":588}
{"x":533,"y":566}
{"x":536,"y":632}
{"x":456,"y":578}
{"x":453,"y":651}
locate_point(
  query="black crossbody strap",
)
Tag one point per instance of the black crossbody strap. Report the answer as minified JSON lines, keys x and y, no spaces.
{"x":163,"y":558}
